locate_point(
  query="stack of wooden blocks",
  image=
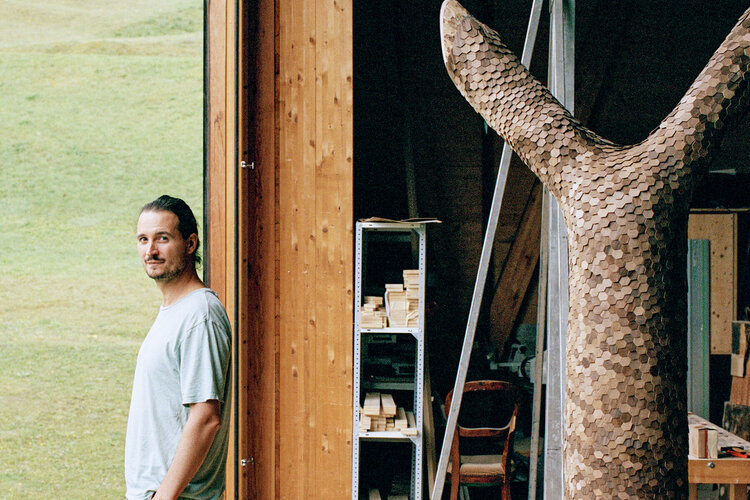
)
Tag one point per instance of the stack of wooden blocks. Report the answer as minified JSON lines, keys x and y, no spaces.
{"x":703,"y":441}
{"x":380,"y":414}
{"x":403,"y":301}
{"x":373,"y":313}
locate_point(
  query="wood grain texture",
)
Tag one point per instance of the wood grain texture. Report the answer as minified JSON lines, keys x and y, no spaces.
{"x":258,"y":248}
{"x":219,"y":175}
{"x":315,"y":248}
{"x":218,"y":130}
{"x":740,"y":392}
{"x":518,"y":272}
{"x":721,"y":230}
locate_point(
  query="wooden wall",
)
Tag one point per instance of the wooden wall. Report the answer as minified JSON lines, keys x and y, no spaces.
{"x":293,"y":231}
{"x":315,"y":248}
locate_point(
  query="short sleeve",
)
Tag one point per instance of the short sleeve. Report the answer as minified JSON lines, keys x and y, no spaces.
{"x":204,"y":363}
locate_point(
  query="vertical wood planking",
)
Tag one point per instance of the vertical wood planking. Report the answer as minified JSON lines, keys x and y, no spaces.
{"x":721,"y":230}
{"x":334,"y":259}
{"x":315,"y":248}
{"x":294,"y":223}
{"x":217,"y":146}
{"x":220,"y":178}
{"x":258,"y":253}
{"x":297,"y":232}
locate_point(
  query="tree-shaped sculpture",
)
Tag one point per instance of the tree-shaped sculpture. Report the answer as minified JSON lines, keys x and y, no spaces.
{"x":626,"y":210}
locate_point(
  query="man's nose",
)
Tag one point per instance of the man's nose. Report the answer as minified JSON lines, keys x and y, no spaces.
{"x":152,"y":250}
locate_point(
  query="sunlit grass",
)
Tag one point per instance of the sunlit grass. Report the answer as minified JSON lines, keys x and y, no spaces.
{"x":92,"y":125}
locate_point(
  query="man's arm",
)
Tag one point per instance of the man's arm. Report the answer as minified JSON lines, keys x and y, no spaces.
{"x":202,"y":424}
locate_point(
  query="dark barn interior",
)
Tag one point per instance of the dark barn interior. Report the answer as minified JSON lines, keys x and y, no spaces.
{"x":633,"y":63}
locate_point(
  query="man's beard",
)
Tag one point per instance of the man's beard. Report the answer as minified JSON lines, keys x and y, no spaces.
{"x":168,"y":274}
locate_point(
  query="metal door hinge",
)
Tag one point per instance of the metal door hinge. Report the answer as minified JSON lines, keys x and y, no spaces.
{"x":250,"y":165}
{"x":247,"y":461}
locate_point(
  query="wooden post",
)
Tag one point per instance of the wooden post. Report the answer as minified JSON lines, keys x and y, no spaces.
{"x":279,"y":191}
{"x":220,"y":183}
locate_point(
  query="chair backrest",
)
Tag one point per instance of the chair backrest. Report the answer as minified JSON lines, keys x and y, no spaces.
{"x":495,"y":417}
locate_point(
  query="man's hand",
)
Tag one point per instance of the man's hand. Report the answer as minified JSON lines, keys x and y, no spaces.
{"x":203,"y":422}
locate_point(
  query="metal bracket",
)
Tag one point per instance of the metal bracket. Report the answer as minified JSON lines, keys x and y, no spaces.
{"x":250,"y":165}
{"x":247,"y":461}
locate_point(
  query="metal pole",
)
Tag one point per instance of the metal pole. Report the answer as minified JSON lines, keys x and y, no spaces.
{"x":476,"y":300}
{"x":541,"y":316}
{"x":562,"y":35}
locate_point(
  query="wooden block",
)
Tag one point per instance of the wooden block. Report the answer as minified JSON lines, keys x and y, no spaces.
{"x":694,"y":441}
{"x":712,"y":443}
{"x":372,"y":404}
{"x":364,"y":423}
{"x":400,"y":422}
{"x":374,"y":299}
{"x":388,"y":405}
{"x":740,"y":332}
{"x":411,"y":429}
{"x":703,"y":441}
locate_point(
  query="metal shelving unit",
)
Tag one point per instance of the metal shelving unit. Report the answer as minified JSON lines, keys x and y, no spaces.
{"x":411,"y":236}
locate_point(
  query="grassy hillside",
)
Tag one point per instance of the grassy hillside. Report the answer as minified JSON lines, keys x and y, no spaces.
{"x":102,"y":112}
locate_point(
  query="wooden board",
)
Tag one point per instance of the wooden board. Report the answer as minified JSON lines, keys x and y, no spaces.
{"x":257,"y":329}
{"x":740,"y":392}
{"x":219,"y":244}
{"x":315,"y":268}
{"x":517,"y":273}
{"x":721,"y":230}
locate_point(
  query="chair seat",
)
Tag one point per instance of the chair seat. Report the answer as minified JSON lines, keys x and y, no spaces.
{"x":488,"y":467}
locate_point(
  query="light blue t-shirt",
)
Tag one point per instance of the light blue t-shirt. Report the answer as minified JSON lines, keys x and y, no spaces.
{"x":184,"y":359}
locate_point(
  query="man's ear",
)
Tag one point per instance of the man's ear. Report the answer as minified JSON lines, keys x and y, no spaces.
{"x":192,"y":243}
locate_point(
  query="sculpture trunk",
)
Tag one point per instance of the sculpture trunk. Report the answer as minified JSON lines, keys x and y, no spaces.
{"x":626,"y":214}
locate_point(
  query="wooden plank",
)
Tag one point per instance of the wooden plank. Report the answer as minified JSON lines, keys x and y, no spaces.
{"x":215,"y":249}
{"x":518,"y":272}
{"x":740,"y":335}
{"x":296,"y":185}
{"x":428,"y":425}
{"x":258,"y":248}
{"x":335,"y":252}
{"x":315,"y":254}
{"x":721,"y":230}
{"x":219,"y":177}
{"x":723,"y":471}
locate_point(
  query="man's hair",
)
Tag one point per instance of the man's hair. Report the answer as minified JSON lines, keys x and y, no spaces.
{"x":186,"y":222}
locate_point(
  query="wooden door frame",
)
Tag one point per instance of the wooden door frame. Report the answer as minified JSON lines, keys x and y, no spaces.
{"x":279,"y":246}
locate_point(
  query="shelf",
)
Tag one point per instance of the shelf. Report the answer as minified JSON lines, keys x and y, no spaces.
{"x":392,"y":384}
{"x":391,"y":359}
{"x":391,"y":330}
{"x":387,"y":436}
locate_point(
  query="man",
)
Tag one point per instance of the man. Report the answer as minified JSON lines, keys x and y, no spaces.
{"x":176,"y":442}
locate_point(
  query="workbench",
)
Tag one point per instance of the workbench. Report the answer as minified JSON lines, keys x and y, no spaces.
{"x":732,"y":471}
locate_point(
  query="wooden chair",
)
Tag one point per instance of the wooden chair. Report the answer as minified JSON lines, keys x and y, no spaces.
{"x":491,"y":469}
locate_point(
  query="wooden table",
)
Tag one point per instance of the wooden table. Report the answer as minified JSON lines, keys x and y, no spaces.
{"x":732,"y":471}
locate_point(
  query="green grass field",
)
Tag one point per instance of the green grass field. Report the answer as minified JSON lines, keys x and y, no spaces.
{"x":101,"y":112}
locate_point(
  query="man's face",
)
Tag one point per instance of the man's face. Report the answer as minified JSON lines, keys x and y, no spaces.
{"x":163,"y":251}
